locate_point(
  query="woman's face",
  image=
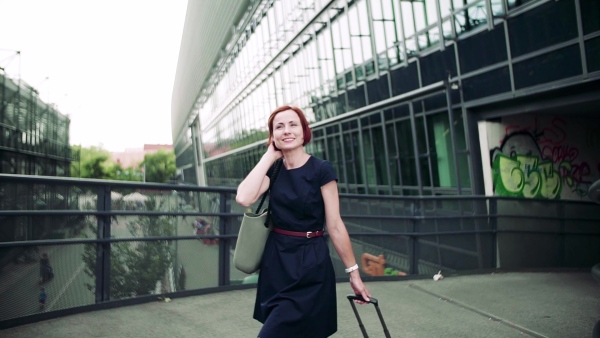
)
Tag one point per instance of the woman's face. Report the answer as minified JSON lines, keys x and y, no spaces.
{"x":287,"y":130}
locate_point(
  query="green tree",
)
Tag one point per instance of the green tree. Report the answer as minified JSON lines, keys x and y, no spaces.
{"x":117,"y":172}
{"x":95,"y":162}
{"x":136,"y":267}
{"x":159,"y":166}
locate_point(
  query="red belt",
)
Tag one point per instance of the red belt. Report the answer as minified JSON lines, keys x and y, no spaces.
{"x":309,"y":234}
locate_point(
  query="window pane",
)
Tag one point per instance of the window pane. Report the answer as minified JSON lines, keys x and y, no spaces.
{"x":590,"y":10}
{"x":369,"y":159}
{"x":592,"y":53}
{"x":380,"y":158}
{"x":442,"y":157}
{"x":379,"y":35}
{"x":357,"y":163}
{"x":404,"y":144}
{"x":394,"y":163}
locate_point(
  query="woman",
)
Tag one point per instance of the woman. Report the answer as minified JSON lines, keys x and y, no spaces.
{"x":296,"y":288}
{"x":45,"y":268}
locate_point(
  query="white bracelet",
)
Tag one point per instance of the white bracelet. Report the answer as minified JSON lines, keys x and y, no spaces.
{"x":352,"y":268}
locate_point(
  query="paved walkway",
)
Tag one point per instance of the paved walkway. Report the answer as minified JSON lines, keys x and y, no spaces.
{"x":523,"y":304}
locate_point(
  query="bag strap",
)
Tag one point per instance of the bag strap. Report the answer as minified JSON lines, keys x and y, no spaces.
{"x":276,"y":168}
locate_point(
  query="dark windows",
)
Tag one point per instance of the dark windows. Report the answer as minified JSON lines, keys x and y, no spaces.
{"x":552,"y":66}
{"x":423,"y":150}
{"x":406,"y":155}
{"x":316,"y":147}
{"x":396,"y":112}
{"x":462,"y":151}
{"x":542,"y":26}
{"x":592,"y":54}
{"x":353,"y":159}
{"x":405,"y":79}
{"x":374,"y":148}
{"x":336,"y":154}
{"x":590,"y":12}
{"x":378,"y":89}
{"x":493,"y":82}
{"x":436,"y":67}
{"x":481,"y":50}
{"x":442,"y":156}
{"x":356,"y":98}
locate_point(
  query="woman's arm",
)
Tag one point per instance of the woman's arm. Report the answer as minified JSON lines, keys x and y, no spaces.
{"x":340,"y":238}
{"x":257,"y":181}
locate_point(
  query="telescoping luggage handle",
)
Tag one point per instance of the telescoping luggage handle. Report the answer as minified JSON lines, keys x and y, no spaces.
{"x":373,"y":301}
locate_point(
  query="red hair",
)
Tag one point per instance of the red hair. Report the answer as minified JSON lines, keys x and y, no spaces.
{"x":303,"y":123}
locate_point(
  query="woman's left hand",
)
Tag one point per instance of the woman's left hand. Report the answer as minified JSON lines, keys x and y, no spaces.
{"x":359,"y":287}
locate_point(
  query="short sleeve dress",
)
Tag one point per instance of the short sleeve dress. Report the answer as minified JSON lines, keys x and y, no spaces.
{"x":296,"y":294}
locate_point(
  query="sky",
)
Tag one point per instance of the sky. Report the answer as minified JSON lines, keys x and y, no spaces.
{"x":107,"y":64}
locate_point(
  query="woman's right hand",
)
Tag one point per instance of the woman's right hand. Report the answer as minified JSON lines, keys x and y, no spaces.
{"x":276,"y":154}
{"x":359,"y":287}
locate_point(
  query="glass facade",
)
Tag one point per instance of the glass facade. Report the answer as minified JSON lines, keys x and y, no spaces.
{"x":34,"y":136}
{"x":387,"y":85}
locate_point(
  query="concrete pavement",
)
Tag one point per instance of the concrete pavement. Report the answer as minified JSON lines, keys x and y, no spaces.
{"x":511,"y":304}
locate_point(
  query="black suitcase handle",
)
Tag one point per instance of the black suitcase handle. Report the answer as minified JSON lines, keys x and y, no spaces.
{"x":373,"y":301}
{"x":357,"y":297}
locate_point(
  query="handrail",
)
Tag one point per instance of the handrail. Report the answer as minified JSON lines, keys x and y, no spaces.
{"x":422,"y":236}
{"x":111,"y":183}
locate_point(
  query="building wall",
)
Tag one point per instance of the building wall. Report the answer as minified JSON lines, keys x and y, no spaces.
{"x":34,"y":140}
{"x":132,"y":157}
{"x":34,"y":135}
{"x":208,"y":27}
{"x":394,"y":90}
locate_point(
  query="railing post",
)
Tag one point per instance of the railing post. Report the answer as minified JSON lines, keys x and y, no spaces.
{"x":224,"y":244}
{"x":103,"y":203}
{"x":493,"y":219}
{"x":562,"y":258}
{"x":412,"y":242}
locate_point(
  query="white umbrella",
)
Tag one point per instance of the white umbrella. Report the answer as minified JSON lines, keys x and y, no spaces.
{"x":135,"y":197}
{"x":113,"y":196}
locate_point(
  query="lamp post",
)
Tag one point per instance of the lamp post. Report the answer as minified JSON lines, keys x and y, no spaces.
{"x":16,"y":53}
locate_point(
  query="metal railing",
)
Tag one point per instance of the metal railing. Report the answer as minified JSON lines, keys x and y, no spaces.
{"x":113,"y":243}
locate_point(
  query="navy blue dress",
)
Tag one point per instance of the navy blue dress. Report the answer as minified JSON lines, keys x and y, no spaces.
{"x":296,"y":294}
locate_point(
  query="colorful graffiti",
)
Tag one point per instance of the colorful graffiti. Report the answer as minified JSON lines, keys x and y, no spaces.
{"x":542,"y":164}
{"x":525,"y":176}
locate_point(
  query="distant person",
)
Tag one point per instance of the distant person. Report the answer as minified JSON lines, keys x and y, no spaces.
{"x":208,"y":230}
{"x":201,"y":226}
{"x":182,"y":208}
{"x":42,"y":298}
{"x":195,"y":226}
{"x":204,"y":227}
{"x":46,"y":272}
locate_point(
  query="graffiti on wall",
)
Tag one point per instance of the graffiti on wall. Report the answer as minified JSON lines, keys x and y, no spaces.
{"x":542,"y":162}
